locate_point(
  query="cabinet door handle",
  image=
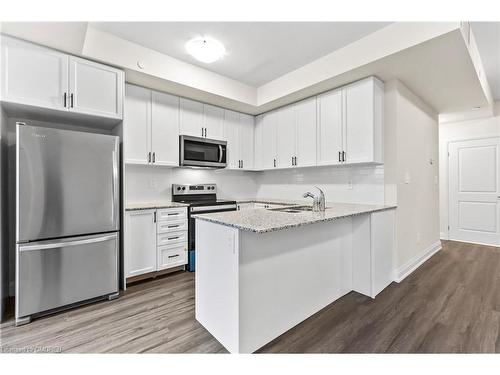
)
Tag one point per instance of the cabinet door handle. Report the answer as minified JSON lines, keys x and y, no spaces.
{"x":65,"y":97}
{"x":154,"y":157}
{"x":173,"y":256}
{"x":172,"y":238}
{"x":343,"y":155}
{"x":274,"y":161}
{"x":172,"y":226}
{"x":173,"y":214}
{"x":149,"y":157}
{"x":154,"y":217}
{"x":242,"y":164}
{"x":205,"y":132}
{"x":71,"y":99}
{"x":340,"y":156}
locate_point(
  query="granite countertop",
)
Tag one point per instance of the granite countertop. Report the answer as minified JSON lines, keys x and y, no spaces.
{"x":153,"y":205}
{"x":268,"y":220}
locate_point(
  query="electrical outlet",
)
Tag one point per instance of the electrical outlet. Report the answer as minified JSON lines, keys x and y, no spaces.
{"x":407,"y":178}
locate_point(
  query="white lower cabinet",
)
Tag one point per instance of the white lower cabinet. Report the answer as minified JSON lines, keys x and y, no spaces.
{"x":172,"y":256}
{"x":140,"y":242}
{"x":372,"y":249}
{"x":155,"y":240}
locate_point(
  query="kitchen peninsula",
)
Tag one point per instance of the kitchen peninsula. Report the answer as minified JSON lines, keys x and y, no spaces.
{"x":260,"y":272}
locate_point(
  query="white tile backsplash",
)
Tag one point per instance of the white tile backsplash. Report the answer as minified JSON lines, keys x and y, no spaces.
{"x":356,"y":184}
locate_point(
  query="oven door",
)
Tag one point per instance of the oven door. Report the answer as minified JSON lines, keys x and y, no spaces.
{"x":202,"y":152}
{"x":203,"y":210}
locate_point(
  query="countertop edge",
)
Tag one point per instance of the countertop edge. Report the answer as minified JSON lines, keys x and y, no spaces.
{"x":277,"y":228}
{"x":156,"y":206}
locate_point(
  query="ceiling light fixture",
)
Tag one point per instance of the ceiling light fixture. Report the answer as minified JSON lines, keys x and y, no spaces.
{"x":205,"y":49}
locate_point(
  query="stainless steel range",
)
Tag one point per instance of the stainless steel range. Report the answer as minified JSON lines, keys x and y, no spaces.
{"x":201,"y":198}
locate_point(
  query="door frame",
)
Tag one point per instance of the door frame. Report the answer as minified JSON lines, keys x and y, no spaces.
{"x":448,"y":177}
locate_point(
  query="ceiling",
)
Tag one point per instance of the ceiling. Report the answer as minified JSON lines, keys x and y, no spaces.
{"x":257,"y":52}
{"x":487,"y":36}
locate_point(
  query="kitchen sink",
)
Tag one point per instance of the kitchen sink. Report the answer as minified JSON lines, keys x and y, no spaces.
{"x":293,"y":210}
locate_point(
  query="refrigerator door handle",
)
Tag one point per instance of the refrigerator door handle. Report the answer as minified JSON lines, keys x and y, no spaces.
{"x":114,"y":208}
{"x":63,"y":243}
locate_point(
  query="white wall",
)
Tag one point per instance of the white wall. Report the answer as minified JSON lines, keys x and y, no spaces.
{"x":356,"y":184}
{"x":459,"y":131}
{"x":153,"y":184}
{"x":411,"y":160}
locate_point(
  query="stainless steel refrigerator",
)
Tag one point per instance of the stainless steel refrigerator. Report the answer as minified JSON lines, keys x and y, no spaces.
{"x":67,"y":212}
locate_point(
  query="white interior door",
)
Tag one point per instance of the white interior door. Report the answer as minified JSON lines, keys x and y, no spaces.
{"x":474,"y":191}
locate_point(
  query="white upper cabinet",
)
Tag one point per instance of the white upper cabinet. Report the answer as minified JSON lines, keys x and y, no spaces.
{"x":258,"y":145}
{"x":41,"y":77}
{"x":151,"y":127}
{"x":191,"y":118}
{"x":95,"y":89}
{"x":268,"y":134}
{"x":201,"y":120}
{"x":305,"y":112}
{"x":33,"y":75}
{"x":213,"y":121}
{"x":330,"y":128}
{"x":363,"y":119}
{"x":232,"y":137}
{"x":165,"y":129}
{"x":350,"y":124}
{"x":247,"y":129}
{"x":286,"y":128}
{"x":239,"y":134}
{"x":137,"y":125}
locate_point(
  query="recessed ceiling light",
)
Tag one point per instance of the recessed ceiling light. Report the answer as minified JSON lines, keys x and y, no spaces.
{"x":205,"y":49}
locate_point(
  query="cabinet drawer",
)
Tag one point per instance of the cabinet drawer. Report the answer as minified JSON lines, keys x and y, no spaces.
{"x":173,"y":237}
{"x":171,"y":226}
{"x":170,"y":214}
{"x":172,"y":256}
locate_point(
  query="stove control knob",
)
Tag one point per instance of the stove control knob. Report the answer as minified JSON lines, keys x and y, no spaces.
{"x":183,"y":188}
{"x":178,"y":188}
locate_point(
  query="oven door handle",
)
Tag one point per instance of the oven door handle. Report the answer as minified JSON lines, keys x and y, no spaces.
{"x":207,"y":209}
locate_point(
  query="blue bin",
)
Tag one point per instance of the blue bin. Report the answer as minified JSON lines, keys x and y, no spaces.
{"x":191,"y":261}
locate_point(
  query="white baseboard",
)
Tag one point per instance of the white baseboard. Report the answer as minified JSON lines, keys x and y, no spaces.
{"x":406,"y":269}
{"x":443,"y":235}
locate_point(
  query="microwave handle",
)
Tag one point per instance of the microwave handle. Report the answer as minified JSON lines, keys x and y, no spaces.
{"x":221,"y":152}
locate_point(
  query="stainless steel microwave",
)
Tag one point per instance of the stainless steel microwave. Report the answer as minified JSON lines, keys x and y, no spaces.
{"x":202,"y":152}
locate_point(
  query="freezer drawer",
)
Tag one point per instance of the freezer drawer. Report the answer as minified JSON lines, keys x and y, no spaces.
{"x":52,"y":274}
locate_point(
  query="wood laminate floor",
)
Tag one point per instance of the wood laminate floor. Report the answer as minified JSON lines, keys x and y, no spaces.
{"x":451,"y":304}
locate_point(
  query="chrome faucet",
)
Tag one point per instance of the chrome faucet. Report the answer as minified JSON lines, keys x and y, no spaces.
{"x":318,"y":200}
